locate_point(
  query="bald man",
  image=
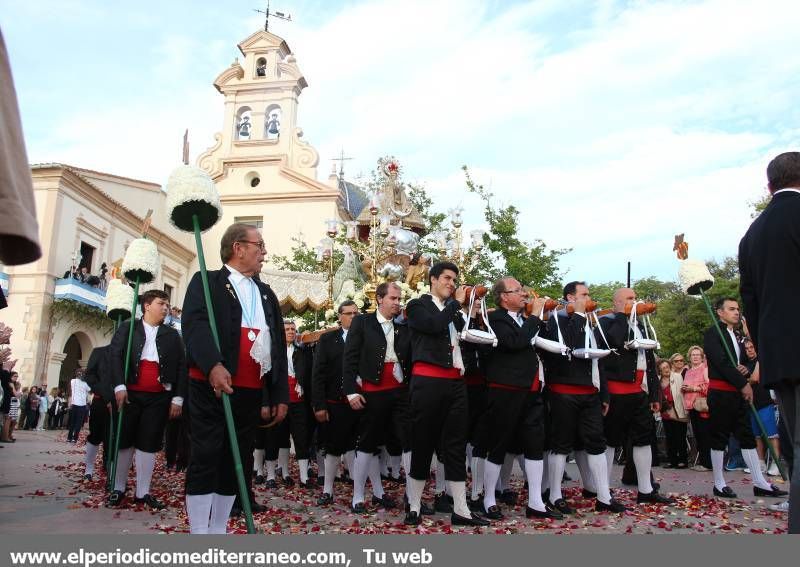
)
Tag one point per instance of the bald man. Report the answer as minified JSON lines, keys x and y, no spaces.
{"x":633,"y":393}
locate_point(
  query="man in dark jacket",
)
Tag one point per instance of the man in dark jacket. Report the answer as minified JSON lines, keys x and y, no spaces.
{"x":154,"y":391}
{"x":729,"y":398}
{"x":769,"y":264}
{"x":515,"y":414}
{"x":250,"y":365}
{"x":633,"y":387}
{"x":578,"y":400}
{"x":377,"y":351}
{"x":338,"y":421}
{"x":98,"y":377}
{"x":438,"y":393}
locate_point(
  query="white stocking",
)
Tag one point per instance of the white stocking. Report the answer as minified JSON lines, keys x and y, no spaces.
{"x":533,"y":472}
{"x":643,"y":459}
{"x":198,"y":509}
{"x":717,"y":463}
{"x":144,"y":472}
{"x":124,"y":461}
{"x":91,"y":455}
{"x":598,"y":466}
{"x":220,"y":512}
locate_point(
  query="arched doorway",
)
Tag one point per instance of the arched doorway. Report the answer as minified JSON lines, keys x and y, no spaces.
{"x":74,"y":353}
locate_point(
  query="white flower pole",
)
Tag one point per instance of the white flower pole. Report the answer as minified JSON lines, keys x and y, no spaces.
{"x":139,"y":266}
{"x":696,"y":279}
{"x":193,"y":206}
{"x":119,"y":299}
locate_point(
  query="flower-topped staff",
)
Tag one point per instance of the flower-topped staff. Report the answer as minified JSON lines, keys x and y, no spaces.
{"x":696,"y":279}
{"x":193,"y":205}
{"x":119,"y":301}
{"x":140,"y":265}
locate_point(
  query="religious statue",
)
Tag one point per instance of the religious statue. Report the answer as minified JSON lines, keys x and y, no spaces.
{"x":418,"y":270}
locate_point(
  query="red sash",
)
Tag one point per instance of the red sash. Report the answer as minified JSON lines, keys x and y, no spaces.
{"x":435,"y":371}
{"x":387,"y":380}
{"x":571,"y":389}
{"x":475,"y":379}
{"x":535,"y":385}
{"x":634,"y":387}
{"x":148,"y":378}
{"x":717,"y":384}
{"x":293,"y":396}
{"x":248,"y":373}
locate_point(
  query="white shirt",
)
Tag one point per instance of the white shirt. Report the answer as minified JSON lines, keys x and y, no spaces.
{"x":289,"y":356}
{"x":388,"y":330}
{"x":80,"y":392}
{"x":344,"y":334}
{"x":735,"y":345}
{"x":245,"y":289}
{"x":149,"y":352}
{"x":458,"y":361}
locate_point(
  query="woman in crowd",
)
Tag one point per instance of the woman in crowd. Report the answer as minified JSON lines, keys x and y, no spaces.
{"x":695,"y":390}
{"x":13,"y":412}
{"x":678,"y":364}
{"x":44,"y":405}
{"x":763,"y":402}
{"x":23,"y":400}
{"x":32,"y":408}
{"x":673,"y":416}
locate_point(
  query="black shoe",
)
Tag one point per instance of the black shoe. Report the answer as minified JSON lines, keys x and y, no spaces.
{"x":775,"y":492}
{"x":656,"y":485}
{"x":325,"y":500}
{"x":546,"y":496}
{"x":115,"y":498}
{"x":588,"y":493}
{"x":358,"y":508}
{"x":473,"y":520}
{"x":424,"y":509}
{"x":385,"y":502}
{"x":493,"y":513}
{"x":562,"y":506}
{"x":508,"y":497}
{"x":259,"y":479}
{"x":87,"y":477}
{"x":255,"y":507}
{"x":613,"y":506}
{"x":150,"y":501}
{"x":549,"y":512}
{"x":443,"y":504}
{"x":271,"y":483}
{"x":653,"y":498}
{"x":475,"y":505}
{"x":288,"y":481}
{"x":412,"y":519}
{"x":306,"y":485}
{"x":726,"y":492}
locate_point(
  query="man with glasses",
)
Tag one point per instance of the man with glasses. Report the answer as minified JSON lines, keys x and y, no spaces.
{"x":338,"y":421}
{"x":515,"y":414}
{"x":438,"y":393}
{"x":249,"y":324}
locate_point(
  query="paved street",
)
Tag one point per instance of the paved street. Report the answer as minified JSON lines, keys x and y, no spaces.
{"x":41,"y":491}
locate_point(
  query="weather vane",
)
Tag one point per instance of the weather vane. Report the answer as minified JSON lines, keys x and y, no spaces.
{"x":267,"y":13}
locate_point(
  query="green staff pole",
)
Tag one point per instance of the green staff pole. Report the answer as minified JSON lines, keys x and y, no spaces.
{"x":753,"y":410}
{"x":226,"y":402}
{"x":110,"y":442}
{"x":125,"y":380}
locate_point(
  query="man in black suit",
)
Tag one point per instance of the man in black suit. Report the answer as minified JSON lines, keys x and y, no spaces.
{"x":769,"y":265}
{"x":577,"y":400}
{"x":250,"y":325}
{"x":338,"y":421}
{"x":377,"y":352}
{"x":634,"y":393}
{"x":515,"y":414}
{"x":729,"y":398}
{"x":438,"y":393}
{"x":154,"y":392}
{"x":98,"y":377}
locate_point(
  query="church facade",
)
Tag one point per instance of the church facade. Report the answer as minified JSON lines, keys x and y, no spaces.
{"x":266,"y":175}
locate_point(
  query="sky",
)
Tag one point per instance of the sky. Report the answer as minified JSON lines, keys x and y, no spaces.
{"x":611,"y":125}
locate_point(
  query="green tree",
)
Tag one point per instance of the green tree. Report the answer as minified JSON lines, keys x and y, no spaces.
{"x":532,"y":263}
